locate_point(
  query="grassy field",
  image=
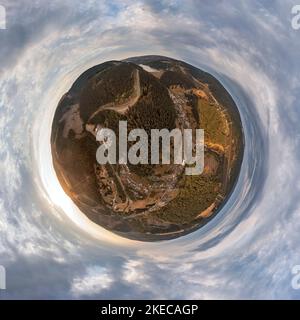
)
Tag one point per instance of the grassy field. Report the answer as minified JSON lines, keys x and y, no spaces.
{"x":197,"y":193}
{"x":214,"y":123}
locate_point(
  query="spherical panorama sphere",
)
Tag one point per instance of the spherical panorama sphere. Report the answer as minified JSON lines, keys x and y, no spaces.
{"x":147,"y":201}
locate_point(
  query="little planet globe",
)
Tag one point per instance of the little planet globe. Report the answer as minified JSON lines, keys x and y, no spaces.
{"x":147,"y":202}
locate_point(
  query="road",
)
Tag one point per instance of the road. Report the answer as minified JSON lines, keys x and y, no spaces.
{"x":123,"y":107}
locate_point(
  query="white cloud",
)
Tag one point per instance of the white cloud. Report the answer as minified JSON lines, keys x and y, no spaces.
{"x":94,"y":281}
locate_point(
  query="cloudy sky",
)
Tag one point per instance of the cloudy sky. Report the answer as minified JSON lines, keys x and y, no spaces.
{"x":47,"y":247}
